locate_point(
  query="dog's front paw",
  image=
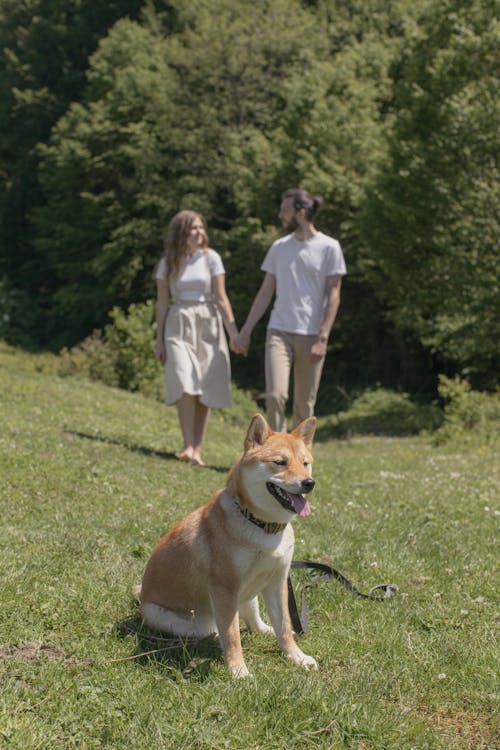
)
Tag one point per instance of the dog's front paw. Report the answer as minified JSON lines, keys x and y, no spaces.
{"x":299,"y":657}
{"x":308,"y":662}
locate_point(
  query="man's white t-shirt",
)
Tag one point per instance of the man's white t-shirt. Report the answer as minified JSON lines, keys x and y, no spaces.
{"x":300,"y":268}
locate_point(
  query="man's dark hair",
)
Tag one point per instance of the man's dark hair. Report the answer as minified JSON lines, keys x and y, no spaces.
{"x":302,"y":199}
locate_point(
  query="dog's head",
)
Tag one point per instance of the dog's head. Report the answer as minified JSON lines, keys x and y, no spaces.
{"x":273,"y":474}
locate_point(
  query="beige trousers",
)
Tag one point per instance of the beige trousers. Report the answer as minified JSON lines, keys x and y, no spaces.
{"x":283,"y":350}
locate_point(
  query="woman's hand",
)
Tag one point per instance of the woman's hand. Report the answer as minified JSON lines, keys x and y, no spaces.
{"x":233,"y":337}
{"x":161,"y":317}
{"x":160,"y":352}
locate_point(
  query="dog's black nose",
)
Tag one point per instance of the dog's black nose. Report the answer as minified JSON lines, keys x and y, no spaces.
{"x":307,"y":485}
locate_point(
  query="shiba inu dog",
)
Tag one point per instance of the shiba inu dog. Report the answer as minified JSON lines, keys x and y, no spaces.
{"x":209,"y":569}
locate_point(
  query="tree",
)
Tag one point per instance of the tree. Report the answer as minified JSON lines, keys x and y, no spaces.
{"x":44,"y":49}
{"x":106,"y":191}
{"x":431,"y":220}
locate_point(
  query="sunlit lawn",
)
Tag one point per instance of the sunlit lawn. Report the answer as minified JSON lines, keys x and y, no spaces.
{"x":88,"y":485}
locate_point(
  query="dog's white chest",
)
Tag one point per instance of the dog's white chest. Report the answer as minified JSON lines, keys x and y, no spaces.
{"x":257,"y":568}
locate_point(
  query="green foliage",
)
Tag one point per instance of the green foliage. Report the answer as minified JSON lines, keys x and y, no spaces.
{"x":223,"y":126}
{"x":383,"y":412}
{"x":469,"y":416}
{"x":230,"y":98}
{"x":131,"y":335}
{"x":44,"y":49}
{"x":431,"y":223}
{"x":334,"y":126}
{"x":15,"y":313}
{"x":89,"y":483}
{"x":121,"y":355}
{"x":100,"y":175}
{"x":387,"y":109}
{"x":166,"y":123}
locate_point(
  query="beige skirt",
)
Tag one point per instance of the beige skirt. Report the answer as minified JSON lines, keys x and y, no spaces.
{"x":197,"y":355}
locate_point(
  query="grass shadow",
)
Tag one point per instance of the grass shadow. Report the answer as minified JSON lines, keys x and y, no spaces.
{"x":189,"y":657}
{"x":142,"y":449}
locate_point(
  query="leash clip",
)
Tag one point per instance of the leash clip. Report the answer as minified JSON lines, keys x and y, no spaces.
{"x":390,"y":590}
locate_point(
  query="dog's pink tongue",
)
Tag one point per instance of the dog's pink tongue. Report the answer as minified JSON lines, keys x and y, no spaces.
{"x":301,"y":505}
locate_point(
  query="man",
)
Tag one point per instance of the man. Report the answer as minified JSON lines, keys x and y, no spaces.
{"x":305,"y":270}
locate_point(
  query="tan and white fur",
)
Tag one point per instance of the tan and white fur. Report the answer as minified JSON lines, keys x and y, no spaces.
{"x":210,"y":568}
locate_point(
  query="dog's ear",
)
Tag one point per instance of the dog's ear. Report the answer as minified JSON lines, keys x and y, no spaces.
{"x":305,"y":430}
{"x":258,"y":432}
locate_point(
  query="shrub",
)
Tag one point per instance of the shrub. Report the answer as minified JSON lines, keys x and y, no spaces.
{"x":468,"y":415}
{"x":384,"y":412}
{"x":121,"y":355}
{"x":131,"y":336}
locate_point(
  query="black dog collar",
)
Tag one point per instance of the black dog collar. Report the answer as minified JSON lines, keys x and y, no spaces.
{"x":270,"y":527}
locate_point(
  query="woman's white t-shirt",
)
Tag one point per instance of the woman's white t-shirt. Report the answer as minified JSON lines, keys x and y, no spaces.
{"x":194,"y":282}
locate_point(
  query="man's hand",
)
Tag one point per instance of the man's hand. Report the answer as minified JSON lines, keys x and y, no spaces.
{"x":318,"y":350}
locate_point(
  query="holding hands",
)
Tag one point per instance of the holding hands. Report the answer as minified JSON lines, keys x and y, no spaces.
{"x":240,"y":343}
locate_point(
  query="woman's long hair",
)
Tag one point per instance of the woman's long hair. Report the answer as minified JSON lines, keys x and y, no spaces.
{"x":176,"y":238}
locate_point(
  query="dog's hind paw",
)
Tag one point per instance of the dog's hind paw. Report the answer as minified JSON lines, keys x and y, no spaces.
{"x":136,"y":592}
{"x":263,"y":629}
{"x":239,"y":670}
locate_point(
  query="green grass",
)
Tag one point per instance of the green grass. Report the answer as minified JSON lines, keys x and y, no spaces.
{"x":89,"y":483}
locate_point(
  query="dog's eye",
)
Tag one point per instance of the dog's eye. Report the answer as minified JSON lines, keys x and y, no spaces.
{"x":306,"y":463}
{"x":281,"y":462}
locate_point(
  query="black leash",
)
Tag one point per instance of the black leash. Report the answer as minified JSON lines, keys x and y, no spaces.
{"x":300,"y":621}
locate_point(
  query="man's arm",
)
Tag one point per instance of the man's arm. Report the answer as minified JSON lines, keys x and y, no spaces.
{"x":332,"y":293}
{"x":259,"y":307}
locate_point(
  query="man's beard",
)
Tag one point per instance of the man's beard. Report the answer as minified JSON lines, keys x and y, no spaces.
{"x":291,"y":225}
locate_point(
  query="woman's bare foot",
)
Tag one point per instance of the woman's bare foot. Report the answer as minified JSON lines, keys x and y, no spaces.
{"x":197,"y":460}
{"x":185,"y":455}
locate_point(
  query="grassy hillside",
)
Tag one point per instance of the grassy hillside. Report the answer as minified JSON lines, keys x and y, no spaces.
{"x":88,"y":483}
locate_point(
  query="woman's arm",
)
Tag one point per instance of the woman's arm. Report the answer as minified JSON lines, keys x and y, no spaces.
{"x":224,"y":306}
{"x":161,"y":316}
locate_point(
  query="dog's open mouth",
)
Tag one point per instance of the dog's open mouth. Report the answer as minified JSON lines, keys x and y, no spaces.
{"x":293,"y":503}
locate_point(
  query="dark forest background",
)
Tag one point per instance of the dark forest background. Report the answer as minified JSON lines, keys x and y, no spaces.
{"x":113,"y":116}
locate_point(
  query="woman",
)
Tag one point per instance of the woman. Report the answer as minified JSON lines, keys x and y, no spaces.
{"x":190,"y":337}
